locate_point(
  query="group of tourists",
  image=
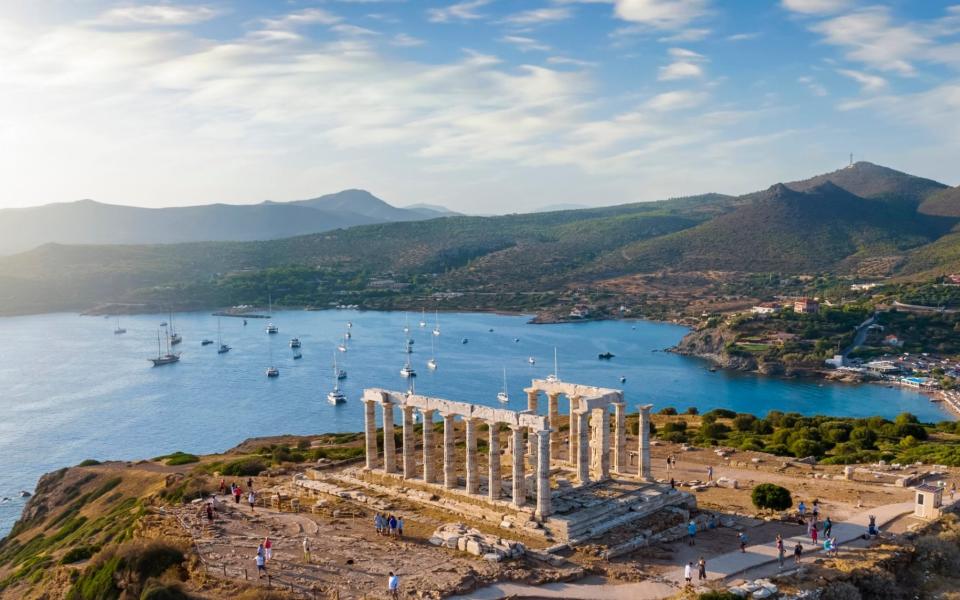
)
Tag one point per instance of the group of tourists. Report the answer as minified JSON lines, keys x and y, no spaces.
{"x":237,"y":492}
{"x":264,"y":555}
{"x":701,"y":571}
{"x":390,"y":525}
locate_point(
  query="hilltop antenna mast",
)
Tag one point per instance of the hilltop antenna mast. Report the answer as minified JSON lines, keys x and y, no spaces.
{"x":851,"y":159}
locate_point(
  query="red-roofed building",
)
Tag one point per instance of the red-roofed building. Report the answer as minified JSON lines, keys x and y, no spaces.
{"x":806,"y":306}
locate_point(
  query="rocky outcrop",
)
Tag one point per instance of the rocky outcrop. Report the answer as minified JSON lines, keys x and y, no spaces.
{"x":711,"y":344}
{"x":472,"y":541}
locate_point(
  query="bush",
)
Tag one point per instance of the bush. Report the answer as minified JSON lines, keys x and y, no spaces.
{"x":718,"y":595}
{"x":178,"y":458}
{"x":244,"y":467}
{"x":155,"y":590}
{"x":744,"y":422}
{"x":841,"y":590}
{"x":771,"y":496}
{"x":693,"y":410}
{"x":89,"y":463}
{"x":722,"y":413}
{"x":77,"y":554}
{"x":669,"y":410}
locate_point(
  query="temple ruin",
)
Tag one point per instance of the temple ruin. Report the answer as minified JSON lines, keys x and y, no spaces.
{"x":596,"y":487}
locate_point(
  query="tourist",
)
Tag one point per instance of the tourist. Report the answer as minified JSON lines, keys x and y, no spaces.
{"x":710,"y":473}
{"x":701,"y":569}
{"x":267,"y":548}
{"x":743,"y":541}
{"x":781,"y":551}
{"x":236,"y":494}
{"x":210,"y":511}
{"x":834,"y":548}
{"x":378,"y":523}
{"x":223,"y":486}
{"x":688,"y":573}
{"x":673,"y":484}
{"x":691,"y":533}
{"x":953,"y":490}
{"x":393,"y":585}
{"x":261,"y":551}
{"x":816,"y":509}
{"x":827,"y":527}
{"x":252,"y":499}
{"x":249,"y":483}
{"x":827,"y":546}
{"x":261,"y":566}
{"x":813,"y":534}
{"x":400,"y":526}
{"x":306,"y":550}
{"x":392,"y":522}
{"x":802,"y":508}
{"x":872,"y":530}
{"x":797,"y":553}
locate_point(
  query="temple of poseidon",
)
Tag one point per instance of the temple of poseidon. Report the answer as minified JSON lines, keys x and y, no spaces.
{"x":567,"y":478}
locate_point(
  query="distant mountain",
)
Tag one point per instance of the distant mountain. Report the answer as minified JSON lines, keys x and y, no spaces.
{"x":432,"y":211}
{"x":868,"y":180}
{"x":556,"y":207}
{"x":944,"y":203}
{"x":89,"y":222}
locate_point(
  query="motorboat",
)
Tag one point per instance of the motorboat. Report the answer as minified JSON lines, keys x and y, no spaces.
{"x":295,"y":342}
{"x":206,"y":342}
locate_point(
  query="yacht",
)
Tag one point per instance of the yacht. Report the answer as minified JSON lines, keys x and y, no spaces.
{"x":343,"y":345}
{"x":338,"y":372}
{"x":172,"y":334}
{"x":273,"y":372}
{"x":555,"y":376}
{"x":436,"y":327}
{"x":297,"y":355}
{"x":206,"y":342}
{"x":407,"y":370}
{"x":464,"y":341}
{"x":503,"y":396}
{"x":432,"y":363}
{"x":221,"y":347}
{"x":531,"y":360}
{"x":623,"y":379}
{"x":423,"y":319}
{"x":336,"y":396}
{"x":295,"y":342}
{"x":164,"y":359}
{"x":271,"y":328}
{"x":119,"y":330}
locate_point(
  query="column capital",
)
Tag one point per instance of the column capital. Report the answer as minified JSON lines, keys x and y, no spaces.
{"x":645,"y":408}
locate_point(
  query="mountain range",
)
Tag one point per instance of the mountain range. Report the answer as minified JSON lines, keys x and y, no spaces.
{"x":90,"y":222}
{"x":863,"y":220}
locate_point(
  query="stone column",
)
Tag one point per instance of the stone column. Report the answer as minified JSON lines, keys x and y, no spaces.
{"x":429,"y":462}
{"x":543,"y":474}
{"x":495,"y":486}
{"x":389,"y":442}
{"x":620,"y":438}
{"x":473,"y":477}
{"x":553,"y":420}
{"x":603,"y":441}
{"x":370,"y":433}
{"x":644,"y":471}
{"x":572,"y":452}
{"x":583,"y":446}
{"x":449,"y":456}
{"x":409,"y":444}
{"x":533,"y":448}
{"x":533,"y":401}
{"x":519,"y":481}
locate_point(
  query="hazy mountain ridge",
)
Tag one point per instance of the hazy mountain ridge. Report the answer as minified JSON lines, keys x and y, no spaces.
{"x":815,"y":225}
{"x":90,"y":222}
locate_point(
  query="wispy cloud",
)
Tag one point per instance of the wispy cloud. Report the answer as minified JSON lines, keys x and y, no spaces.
{"x":815,"y":87}
{"x":816,"y":7}
{"x":686,"y":65}
{"x":741,"y":37}
{"x":868,"y":83}
{"x":539,"y":16}
{"x":676,"y":100}
{"x":404,"y":40}
{"x":525,"y":43}
{"x":661,"y":14}
{"x":460,"y":11}
{"x":157,"y":14}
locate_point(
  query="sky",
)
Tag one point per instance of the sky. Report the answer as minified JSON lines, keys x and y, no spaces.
{"x":484,"y":106}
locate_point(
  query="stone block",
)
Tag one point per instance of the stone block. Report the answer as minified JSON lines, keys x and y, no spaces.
{"x":435,"y":540}
{"x":492,"y":557}
{"x":474,"y":547}
{"x":462,"y":544}
{"x":506,"y":524}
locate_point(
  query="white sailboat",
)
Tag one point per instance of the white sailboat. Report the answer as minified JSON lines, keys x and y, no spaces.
{"x":432,"y":363}
{"x":436,"y":327}
{"x":406,"y":323}
{"x":271,"y":328}
{"x":119,"y":330}
{"x":172,"y":334}
{"x":336,"y":396}
{"x":423,"y":318}
{"x":503,"y":396}
{"x":164,"y":359}
{"x":555,"y":376}
{"x":272,"y":371}
{"x":408,"y":370}
{"x":221,"y":347}
{"x":343,"y":345}
{"x":531,"y":360}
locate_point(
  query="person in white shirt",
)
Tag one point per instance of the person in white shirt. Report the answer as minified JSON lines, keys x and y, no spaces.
{"x":688,"y":572}
{"x":393,"y":585}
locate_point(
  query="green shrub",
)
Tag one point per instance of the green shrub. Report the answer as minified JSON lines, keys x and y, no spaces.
{"x":178,"y":458}
{"x":718,"y":595}
{"x":771,"y":496}
{"x":79,"y":553}
{"x":244,"y":467}
{"x":89,"y":463}
{"x":668,"y":410}
{"x":721,"y":413}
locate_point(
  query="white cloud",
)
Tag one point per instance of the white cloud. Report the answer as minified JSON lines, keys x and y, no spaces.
{"x":680,"y":70}
{"x":347,"y":29}
{"x":157,"y":14}
{"x":460,"y":11}
{"x":309,"y":16}
{"x":868,"y":83}
{"x":741,"y":37}
{"x":661,"y":14}
{"x":539,"y":16}
{"x":815,"y":87}
{"x":676,"y":100}
{"x":404,"y":40}
{"x":691,"y":34}
{"x":816,"y":7}
{"x":566,"y":60}
{"x":525,"y":43}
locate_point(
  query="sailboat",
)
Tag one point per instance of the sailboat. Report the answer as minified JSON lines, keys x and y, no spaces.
{"x":335,"y":396}
{"x":503,"y":396}
{"x":406,"y":323}
{"x":119,"y":330}
{"x":436,"y":327}
{"x":423,"y":319}
{"x":221,"y":347}
{"x":407,"y":370}
{"x":531,"y":360}
{"x":343,"y":345}
{"x":271,"y":328}
{"x":295,"y":342}
{"x":432,"y":363}
{"x":173,"y":335}
{"x":271,"y":370}
{"x":555,"y":376}
{"x":164,"y":359}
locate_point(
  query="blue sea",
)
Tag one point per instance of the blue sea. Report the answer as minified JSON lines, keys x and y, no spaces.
{"x":70,"y":389}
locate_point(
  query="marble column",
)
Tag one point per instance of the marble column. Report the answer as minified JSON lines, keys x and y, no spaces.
{"x":572,"y":452}
{"x":532,"y":450}
{"x":429,"y":461}
{"x":543,"y":474}
{"x":553,"y":420}
{"x":620,"y":438}
{"x":389,"y":442}
{"x":519,"y":481}
{"x":370,"y":433}
{"x":644,"y":471}
{"x":603,"y":441}
{"x":494,"y":479}
{"x":533,"y":401}
{"x":449,"y":455}
{"x":583,"y":446}
{"x":473,"y":476}
{"x":409,"y":444}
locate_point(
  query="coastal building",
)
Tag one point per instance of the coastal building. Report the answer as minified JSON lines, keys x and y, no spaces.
{"x":836,"y":362}
{"x":766,"y":308}
{"x":580,"y":311}
{"x":929,"y":501}
{"x":862,"y":287}
{"x":806,"y":306}
{"x":919,"y":382}
{"x":892,"y":340}
{"x":883,"y":367}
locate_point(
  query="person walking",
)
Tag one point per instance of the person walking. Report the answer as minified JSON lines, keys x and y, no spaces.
{"x":710,"y":473}
{"x":802,"y":508}
{"x":249,"y":483}
{"x":781,"y":551}
{"x":688,"y":573}
{"x":701,"y":569}
{"x":306,"y":550}
{"x":223,"y":487}
{"x":673,"y":484}
{"x":378,"y":523}
{"x":393,"y":525}
{"x":210,"y":511}
{"x":261,"y":551}
{"x":267,"y":548}
{"x":393,"y":585}
{"x":834,"y":549}
{"x":261,"y":566}
{"x":827,"y":527}
{"x":813,"y":534}
{"x":691,"y":533}
{"x":400,"y":526}
{"x":797,"y":553}
{"x":252,"y":500}
{"x":236,"y":494}
{"x":743,"y":541}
